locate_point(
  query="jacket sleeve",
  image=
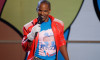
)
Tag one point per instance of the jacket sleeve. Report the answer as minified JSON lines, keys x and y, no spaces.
{"x":62,"y":39}
{"x":25,"y":43}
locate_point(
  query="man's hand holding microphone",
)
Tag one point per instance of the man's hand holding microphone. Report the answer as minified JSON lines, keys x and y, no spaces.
{"x":35,"y":30}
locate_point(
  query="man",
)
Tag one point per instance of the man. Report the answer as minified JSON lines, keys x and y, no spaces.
{"x":43,"y":37}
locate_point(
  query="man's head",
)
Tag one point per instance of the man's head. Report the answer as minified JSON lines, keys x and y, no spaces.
{"x":44,"y":9}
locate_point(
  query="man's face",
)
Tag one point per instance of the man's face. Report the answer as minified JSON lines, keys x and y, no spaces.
{"x":43,"y":11}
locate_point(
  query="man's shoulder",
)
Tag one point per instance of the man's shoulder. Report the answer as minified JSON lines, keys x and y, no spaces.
{"x":58,"y":21}
{"x":31,"y":23}
{"x":27,"y":25}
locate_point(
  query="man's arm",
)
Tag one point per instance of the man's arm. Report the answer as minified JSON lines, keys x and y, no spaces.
{"x":29,"y":37}
{"x":25,"y":41}
{"x":64,"y":52}
{"x":63,"y":47}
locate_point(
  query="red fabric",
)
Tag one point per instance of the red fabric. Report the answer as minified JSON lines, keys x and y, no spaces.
{"x":58,"y":30}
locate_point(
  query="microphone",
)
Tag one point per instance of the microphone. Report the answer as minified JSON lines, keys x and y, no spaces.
{"x":40,"y":20}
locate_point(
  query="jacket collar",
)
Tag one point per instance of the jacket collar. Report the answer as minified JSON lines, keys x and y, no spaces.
{"x":51,"y":17}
